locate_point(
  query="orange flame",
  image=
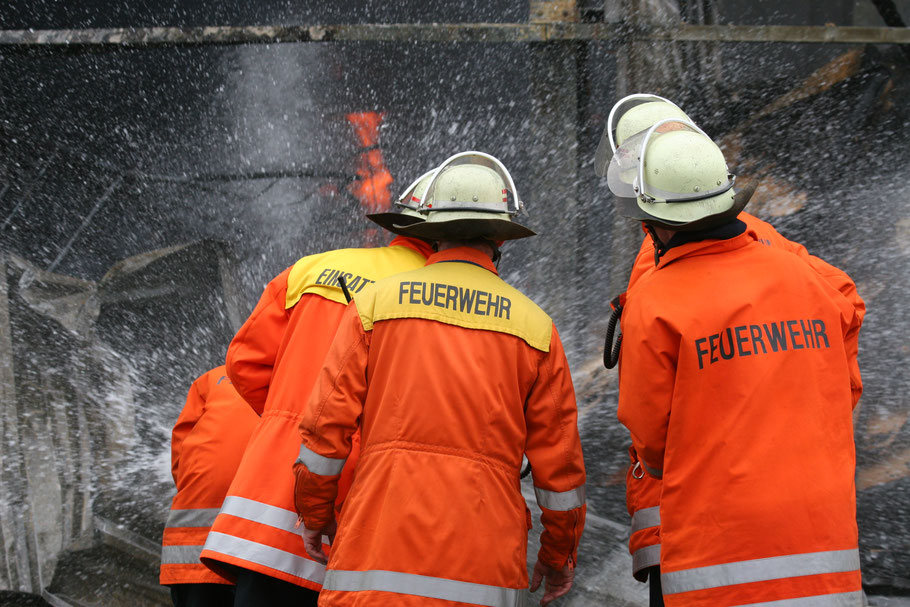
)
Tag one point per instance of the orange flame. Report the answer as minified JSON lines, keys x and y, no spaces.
{"x":373,"y":177}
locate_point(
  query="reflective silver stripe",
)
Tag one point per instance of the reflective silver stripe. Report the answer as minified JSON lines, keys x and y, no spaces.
{"x":318,"y":464}
{"x":760,"y":570}
{"x":649,"y":556}
{"x":845,"y":599}
{"x":181,"y":555}
{"x":561,"y":501}
{"x":251,"y":510}
{"x":655,"y":472}
{"x":267,"y":556}
{"x":645,"y":518}
{"x":264,"y":514}
{"x":425,"y":586}
{"x":196,"y":517}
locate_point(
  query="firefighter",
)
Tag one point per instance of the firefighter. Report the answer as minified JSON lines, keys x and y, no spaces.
{"x":738,"y":380}
{"x":630,"y":116}
{"x":206,"y":445}
{"x":450,"y":374}
{"x":273,"y":361}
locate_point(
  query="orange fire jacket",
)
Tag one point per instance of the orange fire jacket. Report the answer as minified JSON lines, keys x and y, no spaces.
{"x":273,"y":361}
{"x":643,"y":490}
{"x":206,"y":445}
{"x":451,"y":375}
{"x":739,"y":395}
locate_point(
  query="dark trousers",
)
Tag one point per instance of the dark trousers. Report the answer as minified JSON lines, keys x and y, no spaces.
{"x":256,"y":590}
{"x":202,"y":595}
{"x":657,"y":595}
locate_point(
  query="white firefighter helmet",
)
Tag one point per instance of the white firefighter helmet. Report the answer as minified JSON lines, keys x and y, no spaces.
{"x":406,"y":204}
{"x":631,"y":115}
{"x":679,"y":178}
{"x":470,"y":195}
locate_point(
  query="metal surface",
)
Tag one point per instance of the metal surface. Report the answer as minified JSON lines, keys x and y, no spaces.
{"x":447,"y":32}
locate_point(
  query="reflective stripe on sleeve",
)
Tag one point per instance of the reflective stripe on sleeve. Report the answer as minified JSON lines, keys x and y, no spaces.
{"x":645,"y":518}
{"x":194,"y":517}
{"x":655,"y":472}
{"x":425,"y":586}
{"x":181,"y":555}
{"x":760,"y":570}
{"x":318,"y":464}
{"x":842,"y":599}
{"x":267,"y":556}
{"x":560,"y":500}
{"x":649,"y":556}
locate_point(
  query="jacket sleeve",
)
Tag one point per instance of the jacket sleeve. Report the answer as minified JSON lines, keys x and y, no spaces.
{"x":839,"y":279}
{"x":554,"y":450}
{"x":836,"y":277}
{"x":331,"y":417}
{"x":646,"y":380}
{"x":851,"y":350}
{"x":643,"y":504}
{"x":189,"y":416}
{"x":252,"y":353}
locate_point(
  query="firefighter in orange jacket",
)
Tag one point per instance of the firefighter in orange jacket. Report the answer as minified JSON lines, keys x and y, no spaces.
{"x":632,"y":115}
{"x":451,"y":375}
{"x":738,"y":381}
{"x":273,"y":361}
{"x":206,"y":445}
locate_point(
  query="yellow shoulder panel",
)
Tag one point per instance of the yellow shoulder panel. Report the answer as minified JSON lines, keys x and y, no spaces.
{"x":318,"y":274}
{"x":461,"y":294}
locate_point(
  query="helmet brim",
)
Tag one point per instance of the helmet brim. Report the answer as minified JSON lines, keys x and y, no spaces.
{"x":741,"y":198}
{"x":393,"y":221}
{"x":466,"y":229}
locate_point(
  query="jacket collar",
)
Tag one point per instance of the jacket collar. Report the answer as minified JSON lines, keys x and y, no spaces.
{"x":464,"y":255}
{"x":415,"y":244}
{"x":725,"y":231}
{"x":726,"y":237}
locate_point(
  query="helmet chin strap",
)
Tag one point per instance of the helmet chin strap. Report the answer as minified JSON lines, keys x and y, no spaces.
{"x":659,"y":247}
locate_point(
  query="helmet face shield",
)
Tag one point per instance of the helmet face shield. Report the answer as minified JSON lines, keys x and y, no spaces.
{"x":499,"y":198}
{"x":622,"y":172}
{"x":608,"y":139}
